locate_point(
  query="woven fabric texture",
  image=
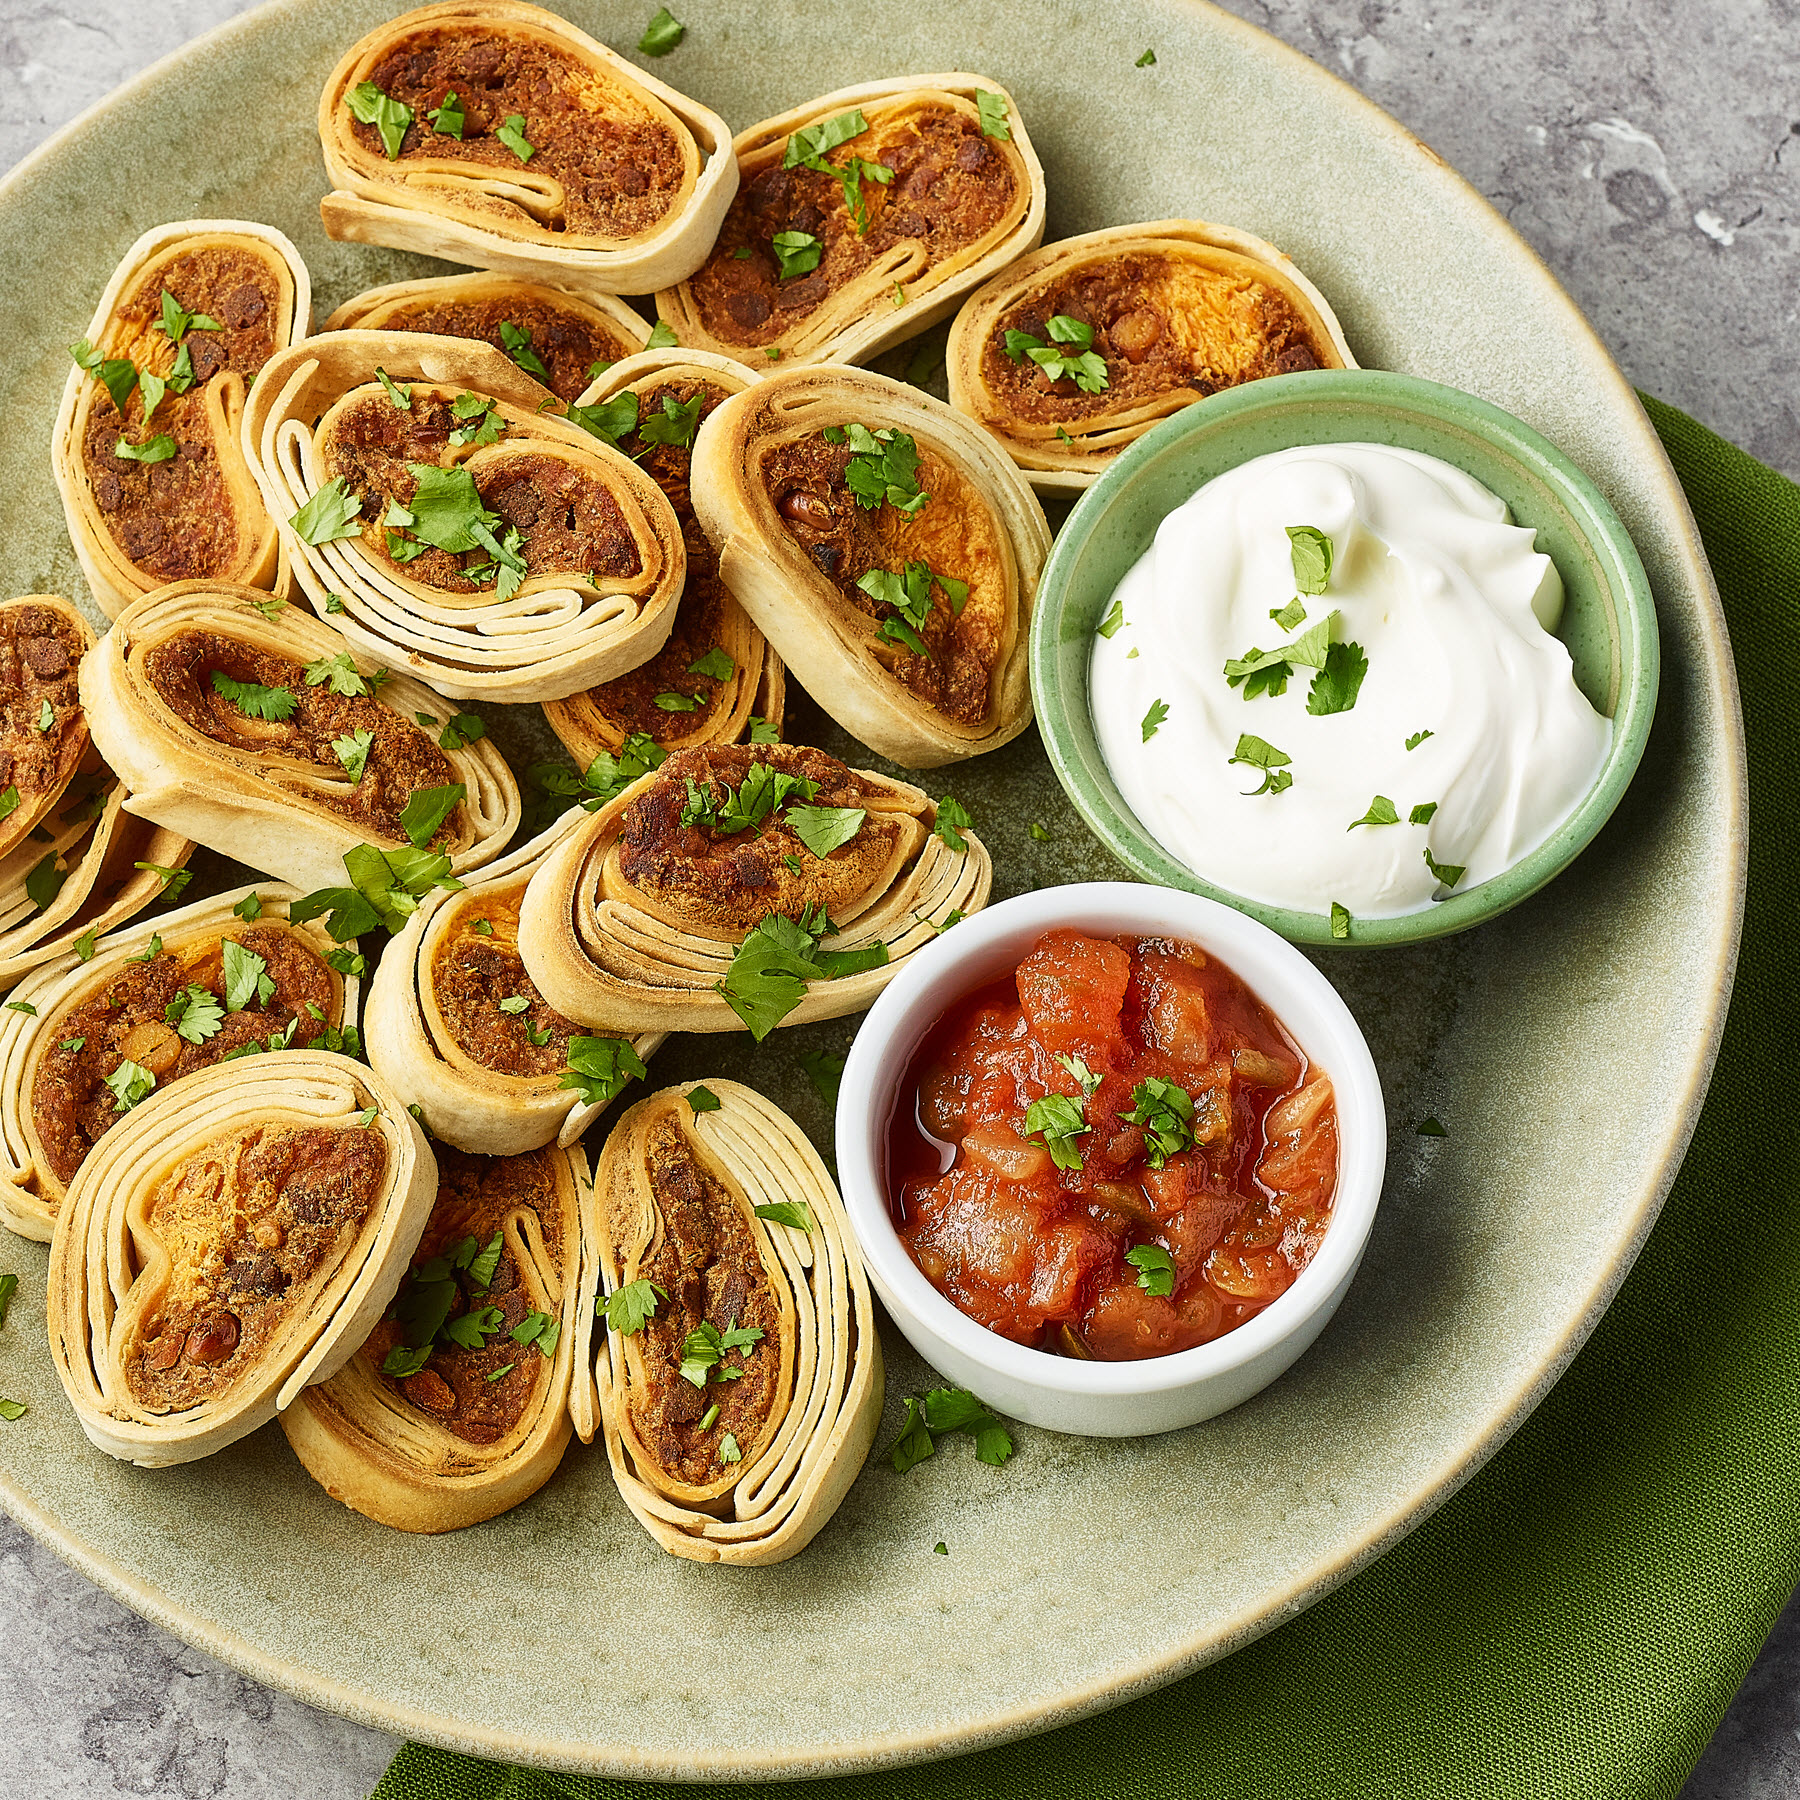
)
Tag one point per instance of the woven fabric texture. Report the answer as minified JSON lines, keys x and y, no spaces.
{"x":1574,"y":1622}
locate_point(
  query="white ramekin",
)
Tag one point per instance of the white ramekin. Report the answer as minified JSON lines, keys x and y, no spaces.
{"x":1108,"y":1399}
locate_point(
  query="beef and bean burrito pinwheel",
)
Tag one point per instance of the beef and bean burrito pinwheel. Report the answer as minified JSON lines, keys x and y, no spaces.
{"x":742,"y":887}
{"x":555,"y":337}
{"x":86,"y":1037}
{"x":251,"y":726}
{"x":1078,"y":349}
{"x":233,"y":1240}
{"x":739,"y":1381}
{"x":887,"y":548}
{"x":146,"y":447}
{"x":71,"y":862}
{"x":452,"y":526}
{"x":862,"y":218}
{"x":458,"y":1027}
{"x":498,"y":134}
{"x":456,"y":1407}
{"x":715,"y":680}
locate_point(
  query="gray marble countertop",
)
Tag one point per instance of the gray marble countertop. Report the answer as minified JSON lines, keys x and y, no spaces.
{"x":1648,"y":149}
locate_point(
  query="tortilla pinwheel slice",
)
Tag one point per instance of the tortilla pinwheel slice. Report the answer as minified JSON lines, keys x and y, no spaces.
{"x":233,"y":1240}
{"x":742,"y":887}
{"x":556,"y":337}
{"x":715,"y":680}
{"x":457,"y":1026}
{"x":456,"y":1407}
{"x":146,"y":447}
{"x":738,"y":1382}
{"x":43,"y":732}
{"x":145,"y":1008}
{"x":252,"y":727}
{"x":497,"y":134}
{"x":452,"y":526}
{"x":862,"y":218}
{"x":889,"y":551}
{"x":1076,"y":350}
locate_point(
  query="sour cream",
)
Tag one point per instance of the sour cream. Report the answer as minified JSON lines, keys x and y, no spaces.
{"x":1453,"y":608}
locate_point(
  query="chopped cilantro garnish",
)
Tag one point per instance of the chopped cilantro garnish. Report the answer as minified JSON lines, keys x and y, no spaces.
{"x":153,"y":450}
{"x":516,"y":341}
{"x":370,"y":106}
{"x":1166,"y":1114}
{"x":1145,"y":61}
{"x":1311,"y":552}
{"x":884,"y":465}
{"x":1381,"y":812}
{"x":353,"y":752}
{"x":512,"y":135}
{"x":951,"y":822}
{"x":610,"y":420}
{"x":1070,"y":352}
{"x":662,"y":336}
{"x":662,"y":34}
{"x":674,"y":425}
{"x":426,"y":810}
{"x":1417,"y":738}
{"x":401,"y":396}
{"x":768,"y":976}
{"x":131,"y":1084}
{"x":941,"y":1412}
{"x":1340,"y":920}
{"x":1058,"y":1120}
{"x":1422,"y":813}
{"x":1431,"y":1128}
{"x":173,"y":880}
{"x":1153,"y":719}
{"x":448,"y":119}
{"x":702,"y":1100}
{"x":793,"y":1213}
{"x":252,"y":699}
{"x":1259,"y":754}
{"x":600,"y":1067}
{"x":824,"y":1070}
{"x":1115,"y":617}
{"x":1335,"y":687}
{"x":627,"y":1310}
{"x":340,"y":675}
{"x":329,"y":515}
{"x":823,"y":829}
{"x":991,"y":110}
{"x":1155,"y":1267}
{"x":247,"y":977}
{"x":716,"y":665}
{"x":1287,"y":617}
{"x":796,"y":253}
{"x":1448,"y":873}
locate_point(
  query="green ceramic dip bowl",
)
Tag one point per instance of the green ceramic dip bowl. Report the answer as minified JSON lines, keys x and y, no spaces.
{"x":1608,"y":622}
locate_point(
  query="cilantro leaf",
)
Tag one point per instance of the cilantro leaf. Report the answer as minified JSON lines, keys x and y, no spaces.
{"x":1153,"y":719}
{"x":131,"y":1084}
{"x":400,"y":396}
{"x":516,"y":341}
{"x":329,"y":515}
{"x":662,"y":336}
{"x":702,"y":1100}
{"x":824,"y":1070}
{"x":1155,"y":1267}
{"x":1165,"y":1113}
{"x":464,"y":728}
{"x":1059,"y":1121}
{"x":448,"y":119}
{"x":610,"y":420}
{"x":793,"y":1213}
{"x":340,"y":675}
{"x":370,"y":106}
{"x":951,"y":822}
{"x":1381,"y":812}
{"x":117,"y":374}
{"x":1340,"y":920}
{"x":1069,"y":353}
{"x":1335,"y":687}
{"x":1287,"y":617}
{"x":796,"y":253}
{"x":446,"y":508}
{"x":1448,"y":873}
{"x":426,"y":810}
{"x":1417,"y":738}
{"x":1422,"y":813}
{"x":1257,"y":753}
{"x":913,"y":1444}
{"x":1147,"y":60}
{"x":600,"y":1067}
{"x":884,"y":465}
{"x":512,"y":135}
{"x":1311,"y":553}
{"x":1431,"y":1128}
{"x":153,"y":450}
{"x":1115,"y":617}
{"x":823,"y":829}
{"x":662,"y":34}
{"x":716,"y":665}
{"x":353,"y":752}
{"x":628,"y":1309}
{"x":247,"y":977}
{"x":991,"y":110}
{"x":675,"y":425}
{"x":252,"y":699}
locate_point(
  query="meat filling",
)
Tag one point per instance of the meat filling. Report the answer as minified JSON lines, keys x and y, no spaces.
{"x":706,"y":1262}
{"x":253,"y":1225}
{"x":949,"y":187}
{"x":620,"y":166}
{"x":72,"y":1108}
{"x":1161,"y":323}
{"x":42,"y":734}
{"x":401,"y":758}
{"x":174,"y":518}
{"x":478,"y":979}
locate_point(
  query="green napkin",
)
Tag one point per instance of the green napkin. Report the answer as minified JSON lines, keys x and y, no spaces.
{"x":1575,"y":1621}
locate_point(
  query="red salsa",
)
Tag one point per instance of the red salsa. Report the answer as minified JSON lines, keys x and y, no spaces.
{"x":1115,"y":1153}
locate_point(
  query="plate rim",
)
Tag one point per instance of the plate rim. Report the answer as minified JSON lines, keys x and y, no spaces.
{"x":1012,"y":1723}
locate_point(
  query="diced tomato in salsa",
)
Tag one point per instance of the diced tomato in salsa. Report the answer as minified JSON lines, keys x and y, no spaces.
{"x":1234,"y":1187}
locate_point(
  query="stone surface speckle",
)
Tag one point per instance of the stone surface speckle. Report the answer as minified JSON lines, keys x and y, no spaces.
{"x":1648,"y":149}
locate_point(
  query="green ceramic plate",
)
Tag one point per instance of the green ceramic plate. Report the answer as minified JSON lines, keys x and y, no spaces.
{"x":1565,"y":1046}
{"x":1609,"y":619}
